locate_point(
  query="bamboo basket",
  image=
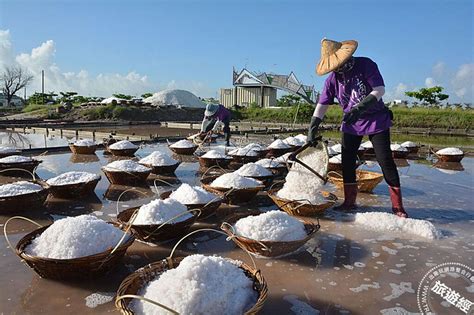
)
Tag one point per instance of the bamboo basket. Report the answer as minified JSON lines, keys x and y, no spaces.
{"x":274,"y":152}
{"x":449,"y":158}
{"x":413,"y":150}
{"x":221,"y":162}
{"x":73,"y":191}
{"x":207,"y":209}
{"x":20,"y":203}
{"x":123,"y":152}
{"x":267,"y":248}
{"x":301,"y":208}
{"x":133,"y":284}
{"x":163,"y":169}
{"x":244,"y":159}
{"x":366,"y":180}
{"x":184,"y":151}
{"x":266,"y":180}
{"x":82,"y":149}
{"x":77,"y":268}
{"x":2,"y":155}
{"x":400,"y":154}
{"x":126,"y":178}
{"x":156,"y":233}
{"x":84,"y":158}
{"x":15,"y":169}
{"x":231,"y":195}
{"x":334,"y":167}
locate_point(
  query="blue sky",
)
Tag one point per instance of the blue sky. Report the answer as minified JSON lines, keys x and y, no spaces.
{"x":136,"y":46}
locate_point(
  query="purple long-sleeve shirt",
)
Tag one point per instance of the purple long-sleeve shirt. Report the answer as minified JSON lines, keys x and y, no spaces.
{"x":350,"y":88}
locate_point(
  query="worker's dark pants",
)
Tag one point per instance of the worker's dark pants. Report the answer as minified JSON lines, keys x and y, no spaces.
{"x":226,"y":129}
{"x":381,"y":143}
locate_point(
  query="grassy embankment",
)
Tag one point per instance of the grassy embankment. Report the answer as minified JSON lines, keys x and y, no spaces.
{"x":417,"y":117}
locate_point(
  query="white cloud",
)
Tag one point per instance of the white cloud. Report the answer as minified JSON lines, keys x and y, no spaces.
{"x":397,"y":93}
{"x":430,"y":82}
{"x":439,"y":69}
{"x":463,"y":82}
{"x":56,"y":79}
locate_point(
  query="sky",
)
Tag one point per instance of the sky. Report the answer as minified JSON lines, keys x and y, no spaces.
{"x":110,"y":46}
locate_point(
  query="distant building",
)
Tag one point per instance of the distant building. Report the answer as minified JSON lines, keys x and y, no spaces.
{"x":261,"y":89}
{"x":16,"y":101}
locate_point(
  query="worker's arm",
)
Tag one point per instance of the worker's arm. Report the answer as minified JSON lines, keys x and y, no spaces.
{"x":370,"y":100}
{"x":316,"y":120}
{"x":207,"y":124}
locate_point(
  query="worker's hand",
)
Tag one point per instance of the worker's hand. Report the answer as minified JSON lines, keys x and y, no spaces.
{"x":353,"y":115}
{"x":313,"y":130}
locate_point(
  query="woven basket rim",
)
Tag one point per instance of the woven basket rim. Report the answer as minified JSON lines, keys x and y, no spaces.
{"x":152,"y":166}
{"x":26,"y":240}
{"x":32,"y":162}
{"x":83,"y":146}
{"x":158,"y":267}
{"x":272,"y":194}
{"x":126,"y":172}
{"x":370,"y":175}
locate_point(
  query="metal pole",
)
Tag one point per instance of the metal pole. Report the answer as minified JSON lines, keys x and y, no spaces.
{"x":42,"y":85}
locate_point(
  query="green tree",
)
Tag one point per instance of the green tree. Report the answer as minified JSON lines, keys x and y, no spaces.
{"x":289,"y":100}
{"x":145,"y":95}
{"x":430,"y":96}
{"x":66,"y":96}
{"x":123,"y":96}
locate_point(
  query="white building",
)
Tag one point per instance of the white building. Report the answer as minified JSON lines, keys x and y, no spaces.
{"x":16,"y":101}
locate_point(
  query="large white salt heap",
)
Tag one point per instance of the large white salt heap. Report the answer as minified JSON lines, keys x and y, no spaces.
{"x":200,"y":284}
{"x":409,"y":144}
{"x":269,"y":163}
{"x":160,"y":211}
{"x":387,"y":222}
{"x":243,"y":152}
{"x":84,"y":143}
{"x":191,"y":195}
{"x":7,"y":150}
{"x":122,"y":145}
{"x":253,"y":170}
{"x":277,"y":226}
{"x":450,"y":151}
{"x":157,"y":158}
{"x":75,"y":237}
{"x":126,"y":166}
{"x":278,"y":144}
{"x":18,"y":189}
{"x":300,"y":183}
{"x":72,"y":177}
{"x":13,"y":159}
{"x":398,"y":148}
{"x":234,"y":180}
{"x":183,"y":144}
{"x":214,"y":154}
{"x":177,"y":98}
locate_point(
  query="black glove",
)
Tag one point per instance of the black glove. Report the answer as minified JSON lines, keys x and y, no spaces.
{"x":313,"y":130}
{"x":355,"y":113}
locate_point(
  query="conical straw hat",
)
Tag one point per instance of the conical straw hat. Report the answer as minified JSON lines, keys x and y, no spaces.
{"x":334,"y":54}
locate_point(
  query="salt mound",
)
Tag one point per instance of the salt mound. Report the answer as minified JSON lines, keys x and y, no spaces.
{"x":303,"y":185}
{"x":122,"y":145}
{"x":269,"y":163}
{"x":126,"y":166}
{"x":294,"y":141}
{"x":19,"y":188}
{"x":5,"y":150}
{"x":253,"y":170}
{"x":160,"y":211}
{"x":234,"y":180}
{"x":409,"y":144}
{"x":214,"y":154}
{"x":110,"y":100}
{"x":302,"y":137}
{"x":284,"y":158}
{"x":201,"y":284}
{"x":85,"y":143}
{"x":191,"y":195}
{"x":183,"y":144}
{"x":278,"y":144}
{"x":273,"y":225}
{"x":75,"y":237}
{"x":398,"y":148}
{"x":337,"y":148}
{"x":178,"y":98}
{"x":158,"y":158}
{"x":383,"y":222}
{"x":449,"y":151}
{"x":243,"y":152}
{"x":254,"y":146}
{"x":336,"y":159}
{"x":367,"y":145}
{"x":16,"y":159}
{"x":72,"y":178}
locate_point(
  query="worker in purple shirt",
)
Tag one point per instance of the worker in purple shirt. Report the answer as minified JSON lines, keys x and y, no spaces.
{"x":212,"y":116}
{"x":358,"y":86}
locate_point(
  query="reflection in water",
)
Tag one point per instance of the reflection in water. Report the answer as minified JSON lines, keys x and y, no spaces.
{"x":113,"y":192}
{"x":28,"y":141}
{"x":449,"y":167}
{"x":74,"y":207}
{"x":84,"y":158}
{"x":401,"y":162}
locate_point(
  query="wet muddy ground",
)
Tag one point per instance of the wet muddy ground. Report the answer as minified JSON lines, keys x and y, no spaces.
{"x":344,"y":269}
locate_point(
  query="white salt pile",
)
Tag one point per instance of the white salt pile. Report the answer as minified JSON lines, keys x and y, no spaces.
{"x":300,"y":183}
{"x":331,"y":151}
{"x":450,"y":151}
{"x":278,"y":144}
{"x":177,"y":98}
{"x":75,"y":237}
{"x":122,"y":145}
{"x":273,"y":225}
{"x":337,"y":148}
{"x":72,"y":178}
{"x":294,"y":141}
{"x":183,"y":144}
{"x":214,"y":154}
{"x":383,"y":222}
{"x":336,"y":159}
{"x":158,"y":158}
{"x":85,"y":143}
{"x":284,"y":158}
{"x":234,"y":180}
{"x":302,"y":137}
{"x":6,"y":150}
{"x":409,"y":144}
{"x":398,"y":148}
{"x":253,"y":170}
{"x":191,"y":195}
{"x":200,"y":285}
{"x":12,"y":159}
{"x":19,"y":188}
{"x":126,"y":166}
{"x":269,"y":163}
{"x":243,"y":152}
{"x":367,"y":145}
{"x":254,"y":146}
{"x":160,"y":211}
